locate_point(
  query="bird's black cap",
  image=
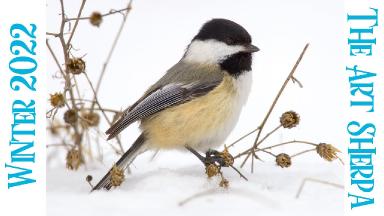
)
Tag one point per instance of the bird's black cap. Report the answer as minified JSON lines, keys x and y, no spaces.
{"x":224,"y":30}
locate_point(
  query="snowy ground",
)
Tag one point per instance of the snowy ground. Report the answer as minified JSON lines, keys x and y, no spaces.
{"x":159,"y":187}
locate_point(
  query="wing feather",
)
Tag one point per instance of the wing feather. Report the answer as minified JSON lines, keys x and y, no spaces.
{"x":158,"y":100}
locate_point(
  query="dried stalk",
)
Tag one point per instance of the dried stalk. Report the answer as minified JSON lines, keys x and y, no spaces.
{"x":317,"y":181}
{"x":111,"y":12}
{"x":103,"y":70}
{"x":80,"y":128}
{"x":256,"y":142}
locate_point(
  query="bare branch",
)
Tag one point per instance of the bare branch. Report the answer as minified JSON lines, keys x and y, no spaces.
{"x":76,"y":23}
{"x":317,"y":181}
{"x":256,"y":142}
{"x":112,"y":49}
{"x":111,"y":12}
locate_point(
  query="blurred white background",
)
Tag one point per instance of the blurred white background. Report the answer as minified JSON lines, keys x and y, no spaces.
{"x":155,"y":37}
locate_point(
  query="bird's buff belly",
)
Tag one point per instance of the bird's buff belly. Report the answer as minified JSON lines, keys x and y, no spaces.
{"x":202,"y":123}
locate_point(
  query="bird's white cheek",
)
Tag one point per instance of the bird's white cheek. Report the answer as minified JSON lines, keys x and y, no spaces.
{"x":209,"y":51}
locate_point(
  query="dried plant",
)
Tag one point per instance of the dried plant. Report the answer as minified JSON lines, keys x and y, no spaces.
{"x":80,"y":114}
{"x":288,"y":120}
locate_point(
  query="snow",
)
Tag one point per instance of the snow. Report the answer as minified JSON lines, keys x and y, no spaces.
{"x":159,"y":186}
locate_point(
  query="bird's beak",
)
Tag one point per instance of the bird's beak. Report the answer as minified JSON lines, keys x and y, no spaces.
{"x":251,"y":48}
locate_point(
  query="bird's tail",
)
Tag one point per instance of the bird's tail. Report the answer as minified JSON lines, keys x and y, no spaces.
{"x":137,"y":148}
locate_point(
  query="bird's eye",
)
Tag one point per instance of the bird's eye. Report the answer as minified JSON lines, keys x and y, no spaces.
{"x":229,"y":41}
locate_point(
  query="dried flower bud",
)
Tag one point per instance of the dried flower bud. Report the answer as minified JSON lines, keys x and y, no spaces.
{"x":54,"y":127}
{"x":89,"y":178}
{"x":117,"y":176}
{"x":75,"y":66}
{"x":91,"y":119}
{"x":227,"y":157}
{"x":74,"y":159}
{"x":224,"y":183}
{"x":70,"y":116}
{"x":96,"y":19}
{"x":212,"y":170}
{"x":57,"y":100}
{"x":283,"y":160}
{"x":289,"y":119}
{"x":327,"y":151}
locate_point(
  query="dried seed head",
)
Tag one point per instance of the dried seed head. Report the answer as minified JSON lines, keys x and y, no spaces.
{"x":117,"y":176}
{"x":224,"y":183}
{"x":212,"y":170}
{"x":91,"y":119}
{"x":283,"y":160}
{"x":57,"y":100}
{"x":227,"y":157}
{"x":70,"y":116}
{"x":54,"y":127}
{"x":289,"y":119}
{"x":96,"y":19}
{"x":54,"y":131}
{"x":74,"y":159}
{"x":75,"y":66}
{"x":89,"y":178}
{"x":327,"y":151}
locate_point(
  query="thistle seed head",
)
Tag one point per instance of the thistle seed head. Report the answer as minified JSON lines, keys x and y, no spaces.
{"x":283,"y":160}
{"x":227,"y":157}
{"x":71,"y":116}
{"x":212,"y":170}
{"x":117,"y":176}
{"x":57,"y":100}
{"x":327,"y":151}
{"x":92,"y":119}
{"x":96,"y":19}
{"x":75,"y":66}
{"x":289,"y":119}
{"x":73,"y":159}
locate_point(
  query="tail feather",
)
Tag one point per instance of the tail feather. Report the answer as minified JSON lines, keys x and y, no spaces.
{"x":116,"y":128}
{"x":137,"y":147}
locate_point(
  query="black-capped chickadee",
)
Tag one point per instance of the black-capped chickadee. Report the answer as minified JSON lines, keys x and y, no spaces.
{"x":197,"y":103}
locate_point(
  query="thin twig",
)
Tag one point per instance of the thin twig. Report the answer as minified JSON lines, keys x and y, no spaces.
{"x":76,"y":23}
{"x":277,"y":98}
{"x":52,"y":34}
{"x":103,"y":15}
{"x":243,"y":137}
{"x":295,"y":80}
{"x":268,"y":134}
{"x":103,"y":112}
{"x":104,"y":68}
{"x":317,"y":181}
{"x":274,"y":146}
{"x":203,"y":193}
{"x":59,"y":145}
{"x":238,"y":171}
{"x":302,"y":152}
{"x":280,"y":92}
{"x":286,"y":143}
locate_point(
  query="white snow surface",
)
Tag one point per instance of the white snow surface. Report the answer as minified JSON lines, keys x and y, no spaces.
{"x":159,"y":186}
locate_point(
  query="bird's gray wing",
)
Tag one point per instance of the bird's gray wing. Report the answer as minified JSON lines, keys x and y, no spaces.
{"x":160,"y":99}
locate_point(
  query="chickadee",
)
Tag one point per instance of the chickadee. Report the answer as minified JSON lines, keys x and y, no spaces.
{"x":197,"y":103}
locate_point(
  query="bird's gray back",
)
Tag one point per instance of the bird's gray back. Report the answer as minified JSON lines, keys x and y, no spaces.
{"x":184,"y":72}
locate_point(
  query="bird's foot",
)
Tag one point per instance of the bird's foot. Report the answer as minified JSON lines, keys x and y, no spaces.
{"x":222,"y":159}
